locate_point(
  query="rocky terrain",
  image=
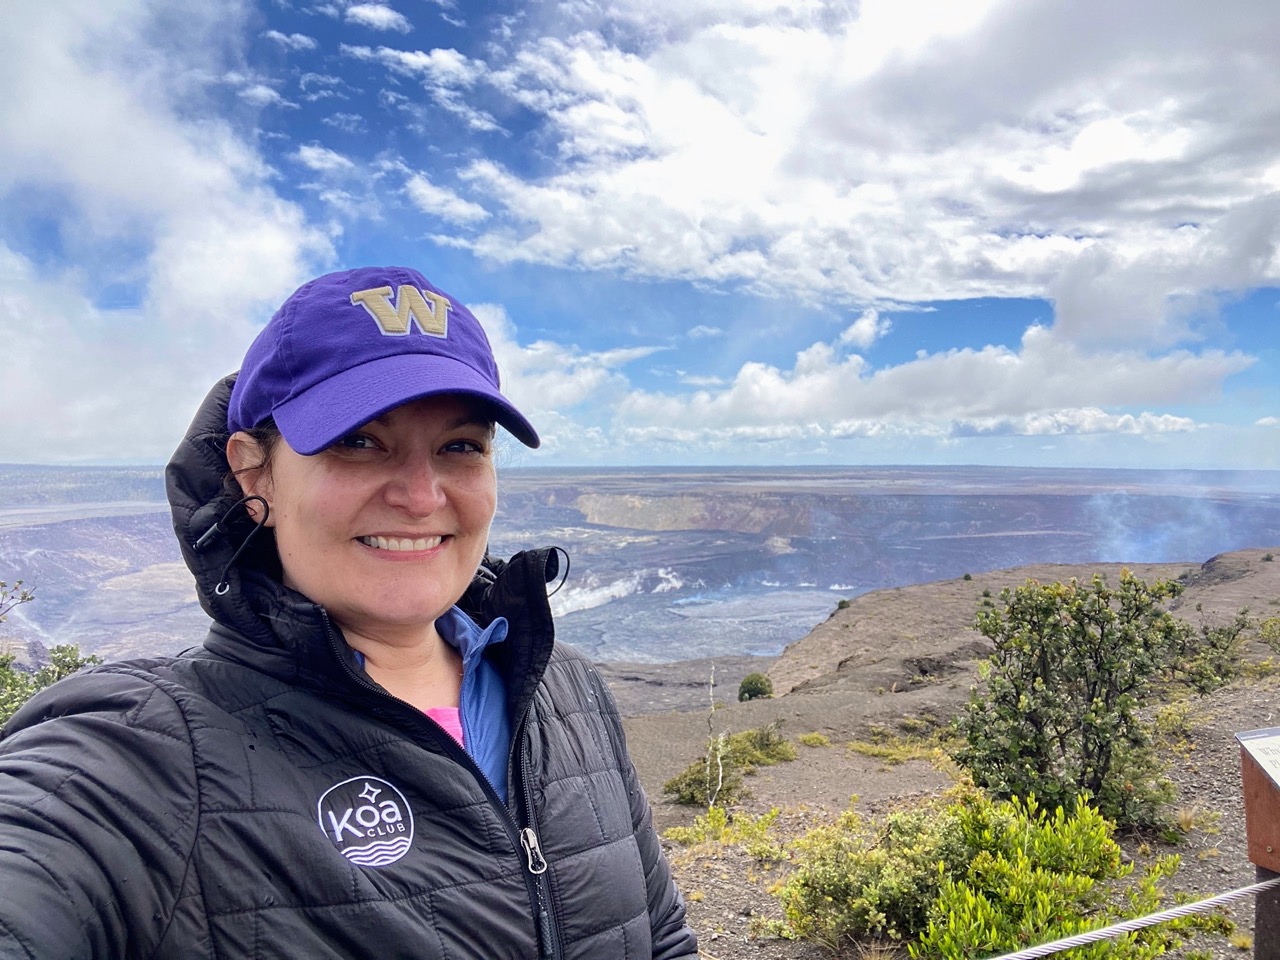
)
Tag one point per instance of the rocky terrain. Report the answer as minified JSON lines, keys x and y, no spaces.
{"x":892,"y":660}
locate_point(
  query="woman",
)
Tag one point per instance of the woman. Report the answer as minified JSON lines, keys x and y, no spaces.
{"x":378,"y":751}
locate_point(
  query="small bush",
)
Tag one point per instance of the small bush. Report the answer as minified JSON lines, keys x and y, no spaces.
{"x":1269,"y":633}
{"x":1268,"y":557}
{"x":814,"y":739}
{"x":760,"y":747}
{"x":843,"y":605}
{"x":1211,"y":659}
{"x":18,"y":686}
{"x":716,"y":779}
{"x":1073,"y":664}
{"x":967,"y":576}
{"x":755,"y":686}
{"x":1174,"y":722}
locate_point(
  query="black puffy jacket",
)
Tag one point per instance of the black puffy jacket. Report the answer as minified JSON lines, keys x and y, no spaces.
{"x":261,"y":797}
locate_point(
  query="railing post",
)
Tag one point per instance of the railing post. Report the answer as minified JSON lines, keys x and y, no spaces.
{"x":1260,"y":776}
{"x":1266,"y":919}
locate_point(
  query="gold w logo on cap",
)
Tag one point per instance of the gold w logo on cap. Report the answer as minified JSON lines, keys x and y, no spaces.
{"x":428,"y":309}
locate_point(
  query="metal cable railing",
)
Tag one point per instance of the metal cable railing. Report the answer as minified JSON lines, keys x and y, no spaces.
{"x":1137,"y":923}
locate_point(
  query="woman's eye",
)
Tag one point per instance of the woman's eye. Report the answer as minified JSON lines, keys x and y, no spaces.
{"x":464,"y":446}
{"x":356,"y":441}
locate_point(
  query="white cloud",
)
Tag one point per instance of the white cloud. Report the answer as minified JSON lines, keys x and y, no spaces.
{"x":261,"y":95}
{"x":377,"y":16}
{"x":441,"y":202}
{"x":322,"y":159}
{"x":318,"y":81}
{"x":702,"y":332}
{"x":1268,"y":422}
{"x":1082,"y":420}
{"x":170,"y":205}
{"x":1115,"y":161}
{"x":346,"y":122}
{"x":291,"y":41}
{"x":446,"y":75}
{"x":866,"y":330}
{"x":547,"y":381}
{"x":1048,"y":386}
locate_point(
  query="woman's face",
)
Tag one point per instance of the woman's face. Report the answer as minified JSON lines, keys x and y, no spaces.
{"x":385,"y":529}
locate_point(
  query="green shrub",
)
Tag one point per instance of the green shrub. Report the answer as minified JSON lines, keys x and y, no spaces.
{"x":1008,"y":902}
{"x":1269,"y":632}
{"x":965,"y":876}
{"x":712,"y":780}
{"x":754,"y":686}
{"x":854,"y":880}
{"x":1268,"y":557}
{"x":1059,"y":714}
{"x":716,"y":778}
{"x":843,"y":604}
{"x":814,"y":739}
{"x":760,"y":747}
{"x":1211,"y":658}
{"x":967,"y":576}
{"x":17,"y":686}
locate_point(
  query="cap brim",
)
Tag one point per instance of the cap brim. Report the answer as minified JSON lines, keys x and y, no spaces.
{"x":330,"y":410}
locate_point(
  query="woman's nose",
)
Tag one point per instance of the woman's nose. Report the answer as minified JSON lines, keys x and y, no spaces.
{"x":417,"y":489}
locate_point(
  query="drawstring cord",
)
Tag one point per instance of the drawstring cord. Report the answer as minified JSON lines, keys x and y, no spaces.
{"x":218,"y":530}
{"x":563,"y":577}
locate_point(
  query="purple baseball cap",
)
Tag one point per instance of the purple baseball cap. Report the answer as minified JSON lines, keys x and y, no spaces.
{"x":347,"y":347}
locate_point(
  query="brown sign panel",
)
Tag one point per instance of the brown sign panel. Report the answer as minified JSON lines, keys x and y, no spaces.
{"x":1260,"y":771}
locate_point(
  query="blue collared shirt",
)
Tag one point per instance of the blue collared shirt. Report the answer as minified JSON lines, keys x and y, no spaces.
{"x":482,"y":704}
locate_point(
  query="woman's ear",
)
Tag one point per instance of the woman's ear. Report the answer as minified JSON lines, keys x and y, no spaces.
{"x":250,"y":468}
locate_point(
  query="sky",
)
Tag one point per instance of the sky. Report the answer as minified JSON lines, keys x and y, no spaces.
{"x":698,"y":232}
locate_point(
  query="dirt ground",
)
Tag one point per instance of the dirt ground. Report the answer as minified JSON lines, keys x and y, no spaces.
{"x":898,"y":660}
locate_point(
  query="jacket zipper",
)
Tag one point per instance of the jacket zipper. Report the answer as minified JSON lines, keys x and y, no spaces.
{"x":522,"y":839}
{"x":536,"y":863}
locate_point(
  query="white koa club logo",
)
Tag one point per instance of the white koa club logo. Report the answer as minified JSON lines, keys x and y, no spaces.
{"x":368,"y":820}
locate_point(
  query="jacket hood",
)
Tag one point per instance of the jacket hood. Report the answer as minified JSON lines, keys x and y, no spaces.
{"x":203,"y":493}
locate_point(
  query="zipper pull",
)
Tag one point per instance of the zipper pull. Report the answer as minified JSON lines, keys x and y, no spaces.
{"x":529,"y":840}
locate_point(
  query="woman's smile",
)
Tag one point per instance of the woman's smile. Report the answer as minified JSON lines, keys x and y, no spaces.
{"x":401,"y":544}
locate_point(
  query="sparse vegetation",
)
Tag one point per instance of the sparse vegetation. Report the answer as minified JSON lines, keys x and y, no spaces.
{"x":892,"y":750}
{"x":18,"y":686}
{"x":718,"y":826}
{"x":814,"y":739}
{"x":1173,"y":721}
{"x":717,"y":778}
{"x":12,"y":596}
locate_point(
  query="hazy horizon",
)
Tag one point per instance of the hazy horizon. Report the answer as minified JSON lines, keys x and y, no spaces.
{"x":667,"y":563}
